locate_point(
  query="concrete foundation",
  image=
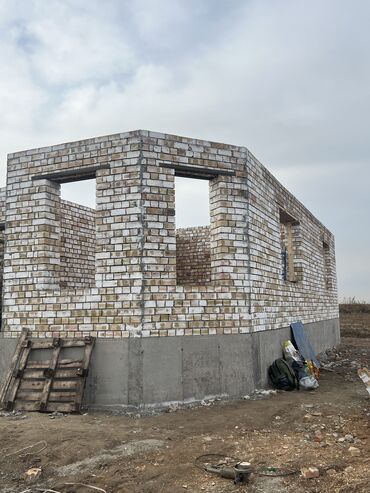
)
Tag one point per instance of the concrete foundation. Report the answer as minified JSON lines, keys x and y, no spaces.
{"x":139,"y":372}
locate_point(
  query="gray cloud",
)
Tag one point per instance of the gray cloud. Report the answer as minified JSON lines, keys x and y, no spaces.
{"x":290,"y":80}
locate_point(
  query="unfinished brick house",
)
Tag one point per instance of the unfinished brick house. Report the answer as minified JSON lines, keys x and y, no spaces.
{"x":178,"y":315}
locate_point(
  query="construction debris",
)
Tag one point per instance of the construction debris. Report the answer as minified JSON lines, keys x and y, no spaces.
{"x":310,"y":472}
{"x":354,"y":451}
{"x":16,"y":415}
{"x":364,"y":374}
{"x":33,"y":474}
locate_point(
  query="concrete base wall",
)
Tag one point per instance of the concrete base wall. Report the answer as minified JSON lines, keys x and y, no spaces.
{"x":152,"y":371}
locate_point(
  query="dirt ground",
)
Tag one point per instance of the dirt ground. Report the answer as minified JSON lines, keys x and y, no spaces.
{"x":157,"y":454}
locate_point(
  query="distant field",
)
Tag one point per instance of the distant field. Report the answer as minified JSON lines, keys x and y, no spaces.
{"x":355,"y":320}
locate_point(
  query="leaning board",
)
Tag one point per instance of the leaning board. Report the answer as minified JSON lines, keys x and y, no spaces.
{"x":42,"y":379}
{"x":303,"y":343}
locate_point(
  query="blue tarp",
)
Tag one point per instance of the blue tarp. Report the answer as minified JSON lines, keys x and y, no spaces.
{"x":302,"y":342}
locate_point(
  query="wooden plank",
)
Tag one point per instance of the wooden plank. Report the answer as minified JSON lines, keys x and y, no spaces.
{"x":43,"y":345}
{"x":28,"y":395}
{"x":24,"y":395}
{"x":26,"y":406}
{"x":31,"y":385}
{"x":73,"y":343}
{"x":60,"y":373}
{"x":65,"y":384}
{"x":38,"y":365}
{"x":65,"y":363}
{"x":85,"y":368}
{"x":62,"y":396}
{"x":67,"y":373}
{"x":12,"y":366}
{"x":63,"y":407}
{"x":65,"y":343}
{"x":18,"y":375}
{"x":49,"y":375}
{"x":33,"y":374}
{"x":38,"y":385}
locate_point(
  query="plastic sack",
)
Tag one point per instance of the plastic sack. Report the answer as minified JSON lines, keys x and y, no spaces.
{"x":308,"y":383}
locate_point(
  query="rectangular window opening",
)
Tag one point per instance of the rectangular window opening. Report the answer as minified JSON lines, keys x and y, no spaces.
{"x":77,"y":234}
{"x":288,"y":233}
{"x":327,"y":265}
{"x":192,"y":216}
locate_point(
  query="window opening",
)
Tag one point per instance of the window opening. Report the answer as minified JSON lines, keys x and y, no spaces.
{"x":192,"y":216}
{"x":80,"y":192}
{"x":327,"y":264}
{"x":288,"y":229}
{"x":77,"y":234}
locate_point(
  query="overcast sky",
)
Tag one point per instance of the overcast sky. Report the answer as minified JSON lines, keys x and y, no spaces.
{"x":289,"y":79}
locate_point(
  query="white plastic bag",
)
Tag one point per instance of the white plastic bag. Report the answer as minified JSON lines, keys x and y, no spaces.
{"x":308,"y":383}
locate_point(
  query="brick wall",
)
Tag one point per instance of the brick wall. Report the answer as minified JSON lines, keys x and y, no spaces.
{"x":2,"y":204}
{"x":2,"y":239}
{"x":77,"y":246}
{"x":136,"y":291}
{"x":32,"y":293}
{"x":273,"y":301}
{"x":2,"y":247}
{"x":193,"y":255}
